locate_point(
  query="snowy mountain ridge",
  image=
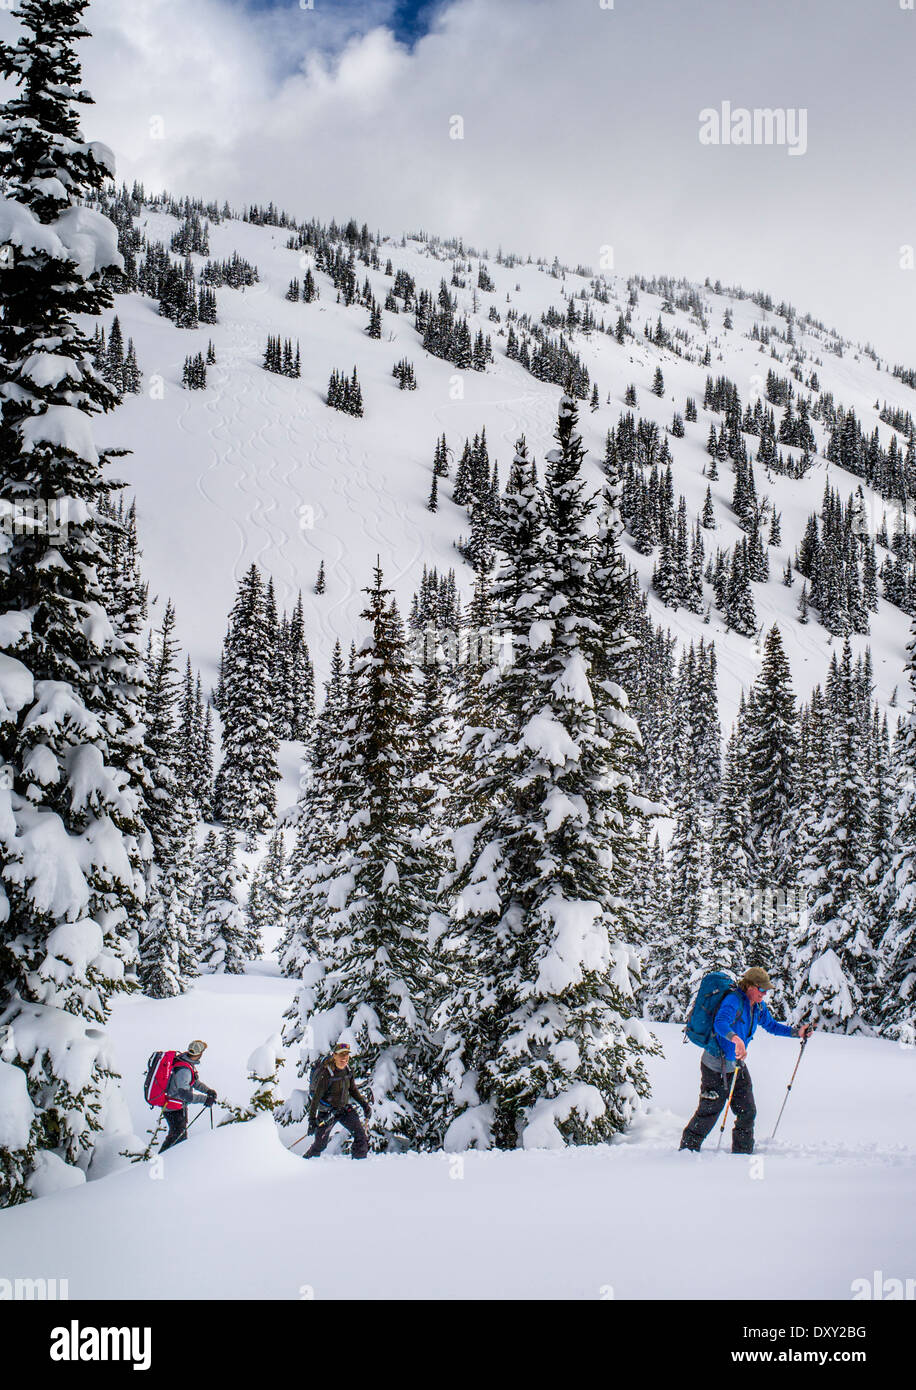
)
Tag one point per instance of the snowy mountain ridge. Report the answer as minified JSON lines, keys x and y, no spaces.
{"x":257,"y":468}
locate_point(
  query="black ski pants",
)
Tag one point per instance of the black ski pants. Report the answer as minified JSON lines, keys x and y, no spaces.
{"x":713,"y":1095}
{"x":351,"y":1122}
{"x":177,"y":1121}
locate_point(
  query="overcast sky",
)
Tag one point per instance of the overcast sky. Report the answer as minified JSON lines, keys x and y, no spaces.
{"x":581,"y":129}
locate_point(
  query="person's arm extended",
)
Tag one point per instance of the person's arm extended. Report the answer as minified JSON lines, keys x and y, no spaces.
{"x":782,"y":1030}
{"x":724,"y":1024}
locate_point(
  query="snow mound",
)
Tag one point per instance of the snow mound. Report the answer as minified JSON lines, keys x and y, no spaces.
{"x":51,"y":1174}
{"x":16,"y":1110}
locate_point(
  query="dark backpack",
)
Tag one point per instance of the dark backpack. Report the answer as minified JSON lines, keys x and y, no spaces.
{"x":714,"y":989}
{"x":313,"y":1076}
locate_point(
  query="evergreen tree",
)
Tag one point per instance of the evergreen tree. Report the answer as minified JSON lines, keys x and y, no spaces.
{"x":831,"y":953}
{"x":317,"y":826}
{"x":740,"y":613}
{"x":373,"y":893}
{"x":440,"y":458}
{"x":114,"y":358}
{"x":224,"y":936}
{"x":542,"y":1027}
{"x":245,"y":791}
{"x":772,"y":785}
{"x":772,"y":738}
{"x":167,"y":960}
{"x":733,"y":857}
{"x":268,"y":896}
{"x":132,"y":377}
{"x":897,"y":974}
{"x":72,"y":789}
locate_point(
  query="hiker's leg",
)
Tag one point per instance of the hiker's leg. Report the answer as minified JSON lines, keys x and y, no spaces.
{"x":745,"y":1111}
{"x":713,"y":1095}
{"x":177,"y":1122}
{"x":322,"y":1137}
{"x":352,"y":1122}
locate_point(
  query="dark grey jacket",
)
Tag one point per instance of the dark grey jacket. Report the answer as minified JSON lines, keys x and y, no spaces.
{"x":334,"y":1090}
{"x":180,"y":1085}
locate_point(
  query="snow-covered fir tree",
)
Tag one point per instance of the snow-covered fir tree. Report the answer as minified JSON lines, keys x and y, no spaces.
{"x":378,"y":890}
{"x":831,"y":954}
{"x":554,"y":1056}
{"x":268,"y":894}
{"x":245,"y":791}
{"x":897,"y":978}
{"x":318,"y":817}
{"x":73,"y":841}
{"x":222,"y":930}
{"x":167,"y":951}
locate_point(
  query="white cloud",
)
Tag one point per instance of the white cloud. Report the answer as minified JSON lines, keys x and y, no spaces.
{"x":581,"y":130}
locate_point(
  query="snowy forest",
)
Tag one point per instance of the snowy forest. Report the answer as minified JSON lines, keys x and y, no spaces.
{"x":525,"y":818}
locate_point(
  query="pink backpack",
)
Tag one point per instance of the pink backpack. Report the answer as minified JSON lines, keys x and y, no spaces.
{"x":159,"y":1070}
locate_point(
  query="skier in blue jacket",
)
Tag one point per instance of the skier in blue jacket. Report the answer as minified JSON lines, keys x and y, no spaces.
{"x":739,"y":1015}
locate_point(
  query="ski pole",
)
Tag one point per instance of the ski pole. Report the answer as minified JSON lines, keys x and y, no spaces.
{"x":801,"y":1053}
{"x":305,"y":1136}
{"x":727,"y":1107}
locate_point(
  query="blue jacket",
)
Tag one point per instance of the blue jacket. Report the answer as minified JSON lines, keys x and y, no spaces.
{"x":738,"y":1015}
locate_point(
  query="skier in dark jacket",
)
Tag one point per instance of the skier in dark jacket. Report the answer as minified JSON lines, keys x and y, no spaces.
{"x":183,"y":1084}
{"x":334,"y":1086}
{"x":735,"y":1023}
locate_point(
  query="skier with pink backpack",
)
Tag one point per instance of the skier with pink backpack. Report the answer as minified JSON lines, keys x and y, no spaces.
{"x":171,"y":1083}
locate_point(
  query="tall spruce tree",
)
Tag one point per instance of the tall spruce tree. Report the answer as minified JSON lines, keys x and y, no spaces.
{"x":555,"y":1056}
{"x":379,"y":888}
{"x":315,"y":845}
{"x":245,"y":794}
{"x":897,"y":975}
{"x":224,"y":941}
{"x":268,"y":896}
{"x":167,"y":958}
{"x":772,"y":751}
{"x":73,"y":842}
{"x":831,"y":954}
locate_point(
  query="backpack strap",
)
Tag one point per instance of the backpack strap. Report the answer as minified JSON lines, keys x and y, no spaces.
{"x":323,"y":1065}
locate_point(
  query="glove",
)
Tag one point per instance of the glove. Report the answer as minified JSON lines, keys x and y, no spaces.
{"x":211,"y":1097}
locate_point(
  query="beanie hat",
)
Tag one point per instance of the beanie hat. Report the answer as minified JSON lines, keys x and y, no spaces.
{"x":196,"y":1048}
{"x":756,"y":975}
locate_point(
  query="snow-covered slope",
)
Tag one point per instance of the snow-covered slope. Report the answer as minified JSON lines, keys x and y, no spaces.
{"x":234,"y":1214}
{"x":257,"y":468}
